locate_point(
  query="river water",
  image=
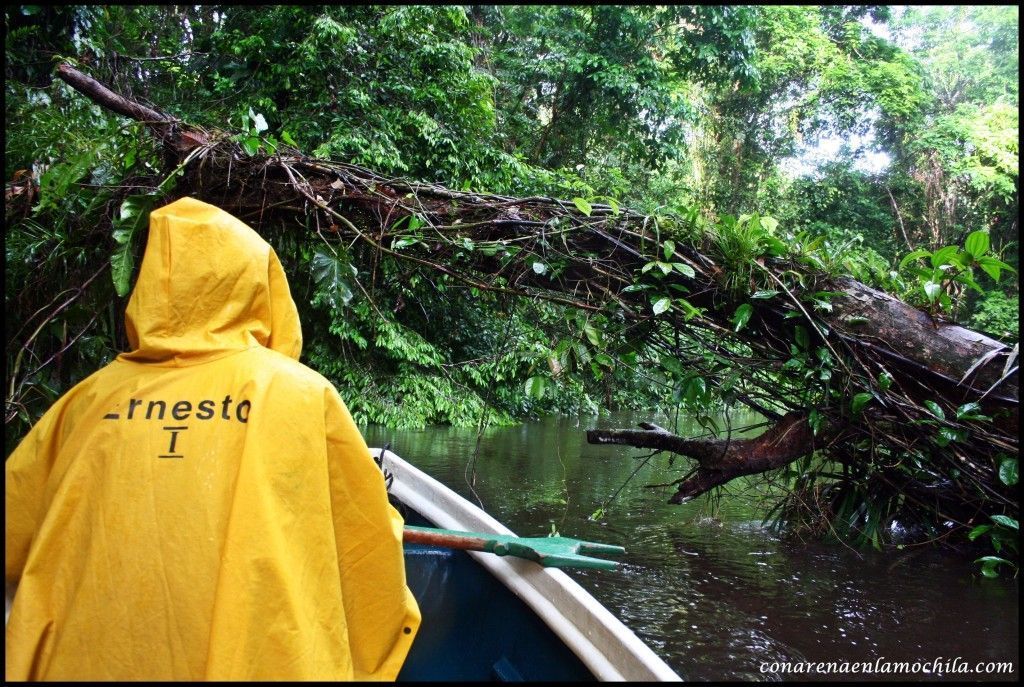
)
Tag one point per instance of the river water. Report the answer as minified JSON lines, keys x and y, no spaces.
{"x":707,"y":586}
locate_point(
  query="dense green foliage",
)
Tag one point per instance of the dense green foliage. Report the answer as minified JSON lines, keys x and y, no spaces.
{"x":697,"y":111}
{"x":409,"y":92}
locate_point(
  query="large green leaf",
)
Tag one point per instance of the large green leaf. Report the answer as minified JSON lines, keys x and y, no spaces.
{"x":672,"y":365}
{"x":536,"y":386}
{"x":914,"y":255}
{"x":977,"y":243}
{"x":815,"y":420}
{"x":776,"y":247}
{"x":935,"y":410}
{"x":1008,"y":472}
{"x":330,"y":273}
{"x":971,"y":411}
{"x":132,"y":216}
{"x":1006,"y":521}
{"x":946,"y":436}
{"x":668,"y":248}
{"x":859,"y":401}
{"x":978,"y":531}
{"x":689,"y":310}
{"x":613,"y":204}
{"x":684,"y":269}
{"x":122,"y":262}
{"x":696,"y":388}
{"x":742,"y":316}
{"x":583,"y":206}
{"x":884,"y":381}
{"x":945,"y":256}
{"x":251,"y":145}
{"x":802,"y":337}
{"x":993,"y":267}
{"x":989,"y":565}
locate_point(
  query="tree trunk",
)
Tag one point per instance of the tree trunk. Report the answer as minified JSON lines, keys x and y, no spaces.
{"x":720,"y":460}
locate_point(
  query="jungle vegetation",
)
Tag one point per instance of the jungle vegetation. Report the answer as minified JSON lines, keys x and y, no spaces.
{"x":445,"y":185}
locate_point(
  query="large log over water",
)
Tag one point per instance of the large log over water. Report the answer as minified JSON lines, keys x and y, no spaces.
{"x":870,"y":334}
{"x":908,"y":336}
{"x":720,"y":460}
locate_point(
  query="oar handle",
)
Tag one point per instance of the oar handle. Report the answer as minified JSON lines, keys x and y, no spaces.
{"x":445,"y":539}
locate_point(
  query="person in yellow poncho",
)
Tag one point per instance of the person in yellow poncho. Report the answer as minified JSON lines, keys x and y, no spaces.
{"x":204,"y":507}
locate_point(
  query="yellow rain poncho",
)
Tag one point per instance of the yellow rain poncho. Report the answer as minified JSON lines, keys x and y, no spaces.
{"x":204,"y":507}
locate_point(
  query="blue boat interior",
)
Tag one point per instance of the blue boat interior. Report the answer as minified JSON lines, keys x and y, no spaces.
{"x":474,"y":628}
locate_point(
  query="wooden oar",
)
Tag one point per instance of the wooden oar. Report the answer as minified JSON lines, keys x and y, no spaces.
{"x":551,"y":552}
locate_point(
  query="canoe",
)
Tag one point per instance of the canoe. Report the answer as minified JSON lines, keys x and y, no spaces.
{"x":488,"y":617}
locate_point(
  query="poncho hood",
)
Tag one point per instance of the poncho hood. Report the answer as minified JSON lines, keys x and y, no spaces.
{"x":208,"y":286}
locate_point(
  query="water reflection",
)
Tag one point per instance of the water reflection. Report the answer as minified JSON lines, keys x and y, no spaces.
{"x":709,"y":588}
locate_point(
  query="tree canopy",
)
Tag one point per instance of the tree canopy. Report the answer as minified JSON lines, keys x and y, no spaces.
{"x":692,"y":116}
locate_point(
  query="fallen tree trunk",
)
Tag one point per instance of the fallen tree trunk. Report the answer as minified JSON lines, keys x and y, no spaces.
{"x":720,"y":460}
{"x":909,"y":337}
{"x":600,"y":261}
